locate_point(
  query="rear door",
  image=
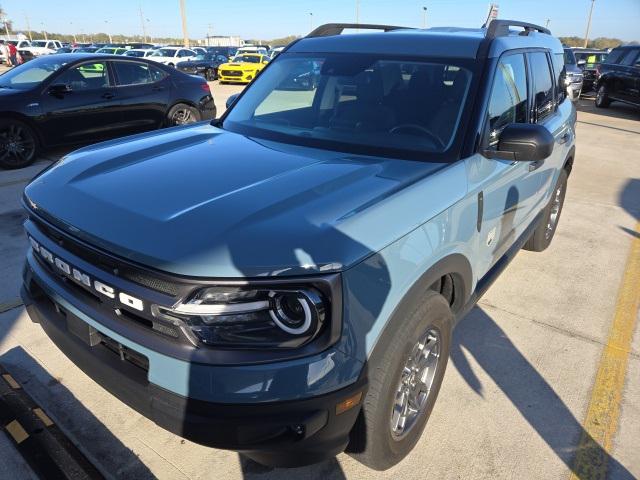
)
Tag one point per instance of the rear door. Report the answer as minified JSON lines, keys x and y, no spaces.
{"x":89,"y":110}
{"x":143,"y":92}
{"x":628,"y":72}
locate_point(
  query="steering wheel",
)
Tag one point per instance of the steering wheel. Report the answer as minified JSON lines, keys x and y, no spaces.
{"x":417,"y":129}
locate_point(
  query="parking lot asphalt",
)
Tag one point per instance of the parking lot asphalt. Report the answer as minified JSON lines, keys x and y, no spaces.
{"x":521,"y":389}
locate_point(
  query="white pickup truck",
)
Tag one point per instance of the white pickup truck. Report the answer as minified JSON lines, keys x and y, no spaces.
{"x":44,"y":47}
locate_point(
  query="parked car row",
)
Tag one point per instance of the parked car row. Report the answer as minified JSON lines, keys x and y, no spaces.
{"x":70,"y":98}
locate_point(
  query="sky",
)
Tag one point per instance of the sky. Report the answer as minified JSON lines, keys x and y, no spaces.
{"x":268,"y":19}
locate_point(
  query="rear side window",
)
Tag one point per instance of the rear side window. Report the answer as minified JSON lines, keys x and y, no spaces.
{"x":615,"y":55}
{"x":508,"y":101}
{"x":630,"y":57}
{"x":542,"y":86}
{"x":132,"y":73}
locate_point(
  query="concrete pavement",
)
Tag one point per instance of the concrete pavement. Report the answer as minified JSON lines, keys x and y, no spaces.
{"x":522,"y":369}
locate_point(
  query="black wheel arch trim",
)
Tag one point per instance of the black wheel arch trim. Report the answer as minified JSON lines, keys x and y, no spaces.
{"x":456,"y":265}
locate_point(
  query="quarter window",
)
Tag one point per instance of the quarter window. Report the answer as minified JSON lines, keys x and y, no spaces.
{"x":508,"y":101}
{"x":88,"y":76}
{"x":542,"y":85}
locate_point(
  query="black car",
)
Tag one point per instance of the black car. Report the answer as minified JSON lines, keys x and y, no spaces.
{"x":619,"y":77}
{"x":70,"y":98}
{"x":228,"y":52}
{"x":588,"y":60}
{"x":205,"y":65}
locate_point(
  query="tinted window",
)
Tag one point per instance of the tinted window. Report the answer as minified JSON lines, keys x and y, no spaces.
{"x":542,"y":85}
{"x":630,"y":57}
{"x":615,"y":55}
{"x":508,"y":102}
{"x":560,"y":74}
{"x":132,"y":73}
{"x":569,"y":57}
{"x":88,"y":76}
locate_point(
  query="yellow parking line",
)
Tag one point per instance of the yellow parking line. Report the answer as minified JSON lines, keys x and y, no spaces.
{"x":44,"y":418}
{"x":11,"y":381}
{"x":601,"y":422}
{"x":18,"y":433}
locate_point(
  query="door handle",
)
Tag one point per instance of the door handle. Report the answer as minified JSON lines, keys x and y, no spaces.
{"x":564,"y":138}
{"x":108,"y":95}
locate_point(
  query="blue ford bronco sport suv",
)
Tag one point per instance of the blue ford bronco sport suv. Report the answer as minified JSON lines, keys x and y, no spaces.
{"x":285,"y":280}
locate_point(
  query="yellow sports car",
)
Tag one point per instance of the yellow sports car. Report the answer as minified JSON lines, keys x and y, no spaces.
{"x":243,"y":68}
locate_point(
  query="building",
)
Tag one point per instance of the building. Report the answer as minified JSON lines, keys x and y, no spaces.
{"x":221,"y":41}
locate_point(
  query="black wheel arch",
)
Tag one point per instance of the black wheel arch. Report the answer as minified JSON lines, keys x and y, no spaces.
{"x":454,"y":266}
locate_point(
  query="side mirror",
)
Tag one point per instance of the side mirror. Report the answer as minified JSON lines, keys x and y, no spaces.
{"x":231,"y":100}
{"x":523,"y":142}
{"x":59,"y":89}
{"x":265,"y":61}
{"x":582,"y":63}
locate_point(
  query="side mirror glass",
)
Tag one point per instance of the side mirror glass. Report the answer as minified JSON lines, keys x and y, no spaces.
{"x":582,"y":63}
{"x":523,"y":142}
{"x":231,"y":100}
{"x":59,"y":89}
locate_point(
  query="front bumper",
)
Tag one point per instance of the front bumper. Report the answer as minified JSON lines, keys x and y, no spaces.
{"x":283,"y":434}
{"x":244,"y":78}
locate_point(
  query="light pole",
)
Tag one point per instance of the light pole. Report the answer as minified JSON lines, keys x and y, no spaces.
{"x":44,"y":31}
{"x":357,"y":11}
{"x":310,"y":21}
{"x":26,"y":17}
{"x":424,"y":17}
{"x":149,"y":30}
{"x":586,"y":35}
{"x":6,"y":25}
{"x":106,"y":23}
{"x":183,"y":14}
{"x":74,"y":35}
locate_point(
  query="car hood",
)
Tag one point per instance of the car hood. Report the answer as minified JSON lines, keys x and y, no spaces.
{"x":200,"y":201}
{"x":241,"y":65}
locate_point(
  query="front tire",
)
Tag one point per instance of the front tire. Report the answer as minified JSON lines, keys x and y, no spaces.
{"x":209,"y":75}
{"x":543,"y":235}
{"x":182,"y":114}
{"x":405,"y":375}
{"x":18,"y":144}
{"x":602,"y":97}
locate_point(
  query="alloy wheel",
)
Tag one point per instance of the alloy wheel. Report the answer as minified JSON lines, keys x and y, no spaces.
{"x":17,"y":145}
{"x":414,"y":387}
{"x":183,"y":116}
{"x":554,"y":213}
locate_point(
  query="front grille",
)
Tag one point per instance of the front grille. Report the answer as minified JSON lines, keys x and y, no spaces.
{"x":231,"y":73}
{"x":107,"y":263}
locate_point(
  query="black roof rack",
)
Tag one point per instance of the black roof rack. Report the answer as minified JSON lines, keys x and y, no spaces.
{"x":500,"y":28}
{"x":330,"y":29}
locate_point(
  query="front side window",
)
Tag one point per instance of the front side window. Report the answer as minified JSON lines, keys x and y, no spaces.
{"x":164,"y":52}
{"x":630,"y":57}
{"x":88,"y":76}
{"x":246,"y":59}
{"x":543,"y":102}
{"x":508,"y":101}
{"x":362,"y":102}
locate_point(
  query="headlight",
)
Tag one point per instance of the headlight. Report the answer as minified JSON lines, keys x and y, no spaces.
{"x":230,"y":316}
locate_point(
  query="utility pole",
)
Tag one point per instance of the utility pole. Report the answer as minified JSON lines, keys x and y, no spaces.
{"x":209,"y":29}
{"x":6,"y":26}
{"x":586,"y":36}
{"x":185,"y":35}
{"x":73,"y":34}
{"x":424,"y":17}
{"x":44,"y":31}
{"x":106,"y":22}
{"x":144,"y":27}
{"x":26,"y":17}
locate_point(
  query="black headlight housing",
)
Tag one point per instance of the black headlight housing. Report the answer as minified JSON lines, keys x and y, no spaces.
{"x":259,"y":315}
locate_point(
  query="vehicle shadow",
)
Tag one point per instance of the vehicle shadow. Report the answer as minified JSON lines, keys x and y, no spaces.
{"x":92,"y":437}
{"x":615,"y":110}
{"x":629,"y":199}
{"x":480,"y":337}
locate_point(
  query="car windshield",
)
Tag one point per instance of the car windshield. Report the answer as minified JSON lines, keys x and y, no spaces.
{"x":358,"y":102}
{"x":134,"y":53}
{"x":203,"y":56}
{"x":39,"y":43}
{"x":569,"y":57}
{"x":246,"y":59}
{"x":30,"y":74}
{"x":164,"y":52}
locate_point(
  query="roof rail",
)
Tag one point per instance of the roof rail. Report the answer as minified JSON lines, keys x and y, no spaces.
{"x":500,"y":28}
{"x":330,"y":29}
